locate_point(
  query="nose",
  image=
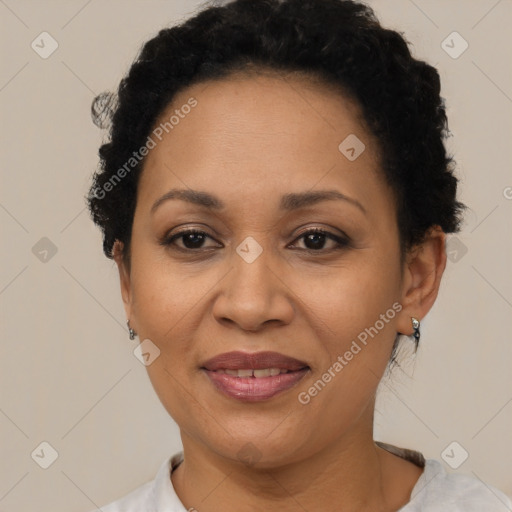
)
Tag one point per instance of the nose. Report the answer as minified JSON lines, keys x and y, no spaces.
{"x":254,"y":295}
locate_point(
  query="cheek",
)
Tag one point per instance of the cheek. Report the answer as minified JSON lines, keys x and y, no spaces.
{"x":351,"y":299}
{"x":353,"y":313}
{"x":165,"y":294}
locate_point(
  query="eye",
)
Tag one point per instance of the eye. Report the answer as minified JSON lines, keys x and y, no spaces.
{"x":316,"y":239}
{"x":191,"y":239}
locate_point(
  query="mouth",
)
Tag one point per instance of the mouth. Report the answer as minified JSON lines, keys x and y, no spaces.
{"x":254,"y":377}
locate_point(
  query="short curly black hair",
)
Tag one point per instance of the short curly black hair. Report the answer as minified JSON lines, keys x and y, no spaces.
{"x":338,"y":41}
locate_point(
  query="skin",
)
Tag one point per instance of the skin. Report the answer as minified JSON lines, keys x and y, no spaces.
{"x":249,"y":141}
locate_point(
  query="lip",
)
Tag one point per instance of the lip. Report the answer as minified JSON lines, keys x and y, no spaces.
{"x":254,"y":361}
{"x":252,"y":389}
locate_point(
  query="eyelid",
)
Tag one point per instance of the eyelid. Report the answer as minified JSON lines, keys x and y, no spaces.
{"x":321,"y":229}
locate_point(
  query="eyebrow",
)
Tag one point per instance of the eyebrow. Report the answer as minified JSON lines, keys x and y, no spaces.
{"x":191,"y":196}
{"x":300,"y":200}
{"x":289,"y":202}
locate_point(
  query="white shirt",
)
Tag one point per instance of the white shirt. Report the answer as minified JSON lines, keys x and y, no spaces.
{"x":435,"y":491}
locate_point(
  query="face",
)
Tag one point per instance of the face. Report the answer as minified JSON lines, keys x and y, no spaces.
{"x":290,"y":248}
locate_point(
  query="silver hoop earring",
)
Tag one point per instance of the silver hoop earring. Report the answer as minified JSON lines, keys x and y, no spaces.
{"x":131,"y":332}
{"x":416,"y":327}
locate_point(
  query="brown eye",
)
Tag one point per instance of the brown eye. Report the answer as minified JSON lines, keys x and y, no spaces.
{"x":316,"y":239}
{"x":191,"y":239}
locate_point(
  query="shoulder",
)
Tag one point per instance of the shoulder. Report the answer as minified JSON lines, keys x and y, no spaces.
{"x":137,"y":500}
{"x":439,"y":491}
{"x":156,"y":495}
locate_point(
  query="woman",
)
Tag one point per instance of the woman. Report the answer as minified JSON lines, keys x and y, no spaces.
{"x":276,"y":194}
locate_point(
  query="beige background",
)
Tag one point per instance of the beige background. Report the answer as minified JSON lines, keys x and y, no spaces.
{"x":68,"y":375}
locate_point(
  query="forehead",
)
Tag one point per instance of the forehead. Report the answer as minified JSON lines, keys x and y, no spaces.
{"x":253,"y":133}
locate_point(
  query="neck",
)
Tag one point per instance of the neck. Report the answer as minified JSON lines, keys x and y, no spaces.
{"x":350,"y":474}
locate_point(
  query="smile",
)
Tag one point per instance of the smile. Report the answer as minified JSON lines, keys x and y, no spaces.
{"x":253,"y":377}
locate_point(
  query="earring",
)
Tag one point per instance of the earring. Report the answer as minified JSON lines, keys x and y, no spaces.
{"x":416,"y":326}
{"x":131,"y":332}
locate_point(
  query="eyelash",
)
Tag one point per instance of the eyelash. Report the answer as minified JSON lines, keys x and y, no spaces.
{"x":342,"y":242}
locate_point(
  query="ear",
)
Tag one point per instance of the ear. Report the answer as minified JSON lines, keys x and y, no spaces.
{"x":124,"y":278}
{"x":424,"y":267}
